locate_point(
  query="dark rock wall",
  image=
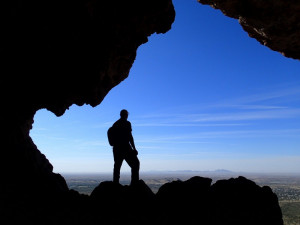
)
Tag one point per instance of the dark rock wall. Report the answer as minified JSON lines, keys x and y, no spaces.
{"x":275,"y":24}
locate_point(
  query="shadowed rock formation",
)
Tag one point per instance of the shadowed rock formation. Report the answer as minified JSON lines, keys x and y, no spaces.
{"x":275,"y":24}
{"x":241,"y":201}
{"x":195,"y":201}
{"x":185,"y":202}
{"x":233,"y":202}
{"x":116,"y":204}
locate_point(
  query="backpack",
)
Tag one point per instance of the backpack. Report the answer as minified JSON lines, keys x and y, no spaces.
{"x":111,"y":135}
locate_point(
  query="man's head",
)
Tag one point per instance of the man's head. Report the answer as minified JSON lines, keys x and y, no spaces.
{"x":124,"y":114}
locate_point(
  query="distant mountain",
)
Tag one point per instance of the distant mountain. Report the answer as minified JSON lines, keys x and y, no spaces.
{"x":222,"y":171}
{"x":190,"y":171}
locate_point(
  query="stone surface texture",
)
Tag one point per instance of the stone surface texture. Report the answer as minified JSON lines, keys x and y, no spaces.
{"x":275,"y":24}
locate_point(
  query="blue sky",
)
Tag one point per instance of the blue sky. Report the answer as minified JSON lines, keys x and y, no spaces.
{"x":203,"y":96}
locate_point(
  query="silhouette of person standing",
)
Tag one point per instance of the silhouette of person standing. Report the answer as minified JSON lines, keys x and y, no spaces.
{"x":124,"y":148}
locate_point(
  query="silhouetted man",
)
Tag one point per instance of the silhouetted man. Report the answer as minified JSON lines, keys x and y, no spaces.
{"x":124,"y":148}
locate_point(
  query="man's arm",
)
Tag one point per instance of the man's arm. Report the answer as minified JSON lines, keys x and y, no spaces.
{"x":131,"y":141}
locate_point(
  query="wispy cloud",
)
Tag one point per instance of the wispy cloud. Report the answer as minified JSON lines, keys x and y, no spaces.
{"x":263,"y":99}
{"x":195,"y":137}
{"x":244,"y":116}
{"x":259,"y":107}
{"x":216,"y":119}
{"x":162,"y":124}
{"x":230,"y":112}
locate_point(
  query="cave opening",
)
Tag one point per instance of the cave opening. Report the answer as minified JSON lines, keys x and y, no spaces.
{"x":203,"y":98}
{"x":197,"y":103}
{"x":73,"y":143}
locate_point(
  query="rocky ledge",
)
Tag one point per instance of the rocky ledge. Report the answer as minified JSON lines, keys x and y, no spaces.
{"x":196,"y":201}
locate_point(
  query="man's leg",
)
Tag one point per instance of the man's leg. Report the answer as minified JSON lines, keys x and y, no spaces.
{"x":118,"y":158}
{"x":134,"y":163}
